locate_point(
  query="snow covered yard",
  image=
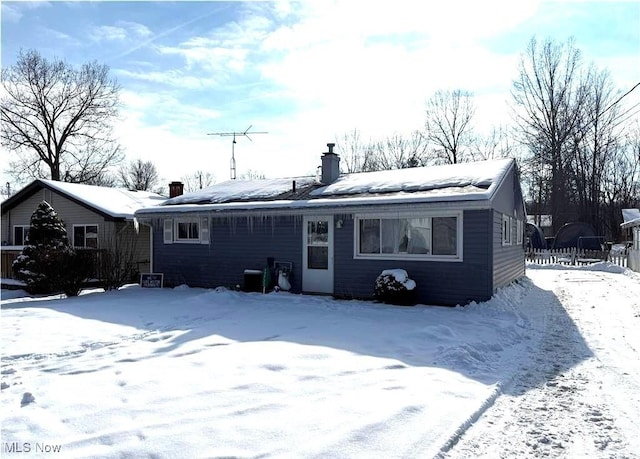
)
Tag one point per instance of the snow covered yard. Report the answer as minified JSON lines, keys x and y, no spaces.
{"x":549,"y":366}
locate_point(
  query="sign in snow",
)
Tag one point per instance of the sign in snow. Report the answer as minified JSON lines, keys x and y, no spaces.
{"x":151,"y":280}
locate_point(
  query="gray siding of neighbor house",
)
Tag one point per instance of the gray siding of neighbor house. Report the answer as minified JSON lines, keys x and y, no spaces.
{"x":508,"y":260}
{"x":70,"y":212}
{"x":438,"y":283}
{"x":74,"y":214}
{"x":236,"y":244}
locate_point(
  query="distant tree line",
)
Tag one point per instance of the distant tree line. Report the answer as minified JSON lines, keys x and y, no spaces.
{"x":576,"y":139}
{"x":577,"y":143}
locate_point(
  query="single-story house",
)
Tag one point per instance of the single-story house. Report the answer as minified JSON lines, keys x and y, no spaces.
{"x":96,"y":218}
{"x":456,"y":229}
{"x":631,"y":222}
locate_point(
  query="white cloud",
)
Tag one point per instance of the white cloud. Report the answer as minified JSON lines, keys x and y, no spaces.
{"x":108,"y":33}
{"x":14,"y":11}
{"x":319,"y":69}
{"x":123,"y":30}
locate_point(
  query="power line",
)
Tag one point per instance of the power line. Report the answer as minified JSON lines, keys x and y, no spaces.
{"x":621,"y":97}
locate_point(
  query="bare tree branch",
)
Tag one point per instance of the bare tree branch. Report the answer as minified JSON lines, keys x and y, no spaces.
{"x":56,"y":120}
{"x":448,"y":124}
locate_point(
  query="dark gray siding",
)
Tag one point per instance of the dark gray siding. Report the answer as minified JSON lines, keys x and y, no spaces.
{"x":236,"y":244}
{"x":509,"y":260}
{"x":508,"y":197}
{"x":438,"y":283}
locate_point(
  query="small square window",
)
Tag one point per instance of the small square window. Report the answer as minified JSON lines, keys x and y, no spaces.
{"x":85,"y":236}
{"x":20,"y":234}
{"x":188,"y":230}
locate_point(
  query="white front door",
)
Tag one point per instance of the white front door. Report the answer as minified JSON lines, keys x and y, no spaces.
{"x":317,"y":254}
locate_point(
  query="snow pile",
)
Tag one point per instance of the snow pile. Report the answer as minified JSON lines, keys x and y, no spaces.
{"x":400,"y":276}
{"x":393,"y":286}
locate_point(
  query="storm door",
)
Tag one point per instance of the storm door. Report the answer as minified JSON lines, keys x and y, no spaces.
{"x":317,"y":254}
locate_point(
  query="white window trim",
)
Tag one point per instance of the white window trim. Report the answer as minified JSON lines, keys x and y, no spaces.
{"x":506,"y":230}
{"x":167,"y":230}
{"x":84,"y":225}
{"x":13,"y":233}
{"x":405,"y":256}
{"x":203,"y":230}
{"x":520,"y":232}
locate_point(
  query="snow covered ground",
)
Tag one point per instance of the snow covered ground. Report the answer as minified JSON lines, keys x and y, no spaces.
{"x":548,"y":367}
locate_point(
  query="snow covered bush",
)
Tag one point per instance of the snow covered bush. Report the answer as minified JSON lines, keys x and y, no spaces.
{"x":393,"y":286}
{"x":47,"y":262}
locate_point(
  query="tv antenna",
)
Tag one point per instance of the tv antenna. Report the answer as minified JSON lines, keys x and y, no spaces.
{"x":244,"y":133}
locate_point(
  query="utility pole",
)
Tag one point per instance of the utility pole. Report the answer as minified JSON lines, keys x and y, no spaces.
{"x":244,"y":133}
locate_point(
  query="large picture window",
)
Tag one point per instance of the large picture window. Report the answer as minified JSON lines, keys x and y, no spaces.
{"x":420,"y":237}
{"x":85,"y":236}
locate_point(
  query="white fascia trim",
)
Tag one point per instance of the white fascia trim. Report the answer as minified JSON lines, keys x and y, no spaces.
{"x":225,"y":210}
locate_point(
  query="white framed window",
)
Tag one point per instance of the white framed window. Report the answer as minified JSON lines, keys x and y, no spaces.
{"x":506,"y":230}
{"x":20,"y":233}
{"x":400,"y":237}
{"x":190,"y":230}
{"x":85,"y":236}
{"x":187,"y":230}
{"x":519,"y":231}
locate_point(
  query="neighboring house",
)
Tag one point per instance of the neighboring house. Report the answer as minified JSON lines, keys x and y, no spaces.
{"x":631,"y":222}
{"x":96,"y":218}
{"x":456,"y":229}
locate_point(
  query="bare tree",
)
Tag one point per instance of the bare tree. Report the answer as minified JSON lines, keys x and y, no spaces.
{"x":252,"y":175}
{"x":448,"y":124}
{"x":139,"y":175}
{"x":198,"y":180}
{"x":57,"y":119}
{"x":549,"y":98}
{"x":356,"y":155}
{"x":399,"y":152}
{"x":621,"y":182}
{"x":393,"y":152}
{"x":494,"y":145}
{"x":594,"y":145}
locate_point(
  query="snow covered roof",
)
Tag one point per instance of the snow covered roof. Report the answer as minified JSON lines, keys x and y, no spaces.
{"x":114,"y":202}
{"x":244,"y":190}
{"x":456,"y":182}
{"x":473,"y":177}
{"x":630,"y":217}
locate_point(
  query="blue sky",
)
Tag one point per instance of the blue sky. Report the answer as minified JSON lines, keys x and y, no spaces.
{"x":305,"y":72}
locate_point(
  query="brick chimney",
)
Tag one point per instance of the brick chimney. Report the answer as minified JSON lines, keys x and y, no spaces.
{"x":330,"y":166}
{"x":176,"y":189}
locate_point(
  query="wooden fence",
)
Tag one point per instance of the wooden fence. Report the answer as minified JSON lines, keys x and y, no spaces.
{"x":573,"y":256}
